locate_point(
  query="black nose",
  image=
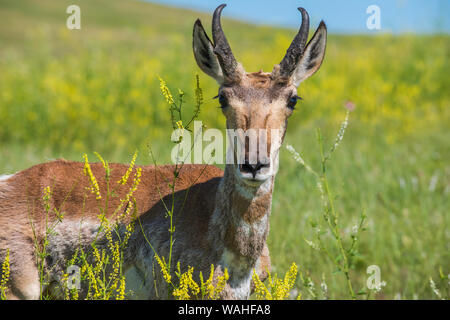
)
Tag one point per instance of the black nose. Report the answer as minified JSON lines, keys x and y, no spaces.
{"x":253,"y":168}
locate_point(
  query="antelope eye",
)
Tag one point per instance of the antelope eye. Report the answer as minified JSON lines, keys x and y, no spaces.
{"x":223,"y":101}
{"x":292,"y":102}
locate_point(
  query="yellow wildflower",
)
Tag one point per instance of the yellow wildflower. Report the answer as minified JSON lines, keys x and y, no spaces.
{"x":128,"y":231}
{"x":125,"y":177}
{"x":163,"y":265}
{"x":116,"y":256}
{"x":208,"y":289}
{"x":165,"y":91}
{"x":182,"y":292}
{"x":129,"y":199}
{"x":260,"y":289}
{"x":92,"y":281}
{"x":221,"y":282}
{"x":121,"y":291}
{"x":277,"y":289}
{"x":187,"y":286}
{"x":180,"y":124}
{"x":291,"y":275}
{"x":93,"y":181}
{"x":104,"y":163}
{"x":5,"y":276}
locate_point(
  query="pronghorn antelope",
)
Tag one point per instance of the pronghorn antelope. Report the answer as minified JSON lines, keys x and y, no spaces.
{"x":225,"y":217}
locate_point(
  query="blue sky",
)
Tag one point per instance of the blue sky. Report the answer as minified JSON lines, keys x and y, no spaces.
{"x":349,"y":16}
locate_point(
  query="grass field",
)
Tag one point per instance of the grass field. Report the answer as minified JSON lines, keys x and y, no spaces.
{"x":65,"y":92}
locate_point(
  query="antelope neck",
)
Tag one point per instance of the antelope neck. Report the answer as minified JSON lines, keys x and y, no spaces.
{"x":245,"y":211}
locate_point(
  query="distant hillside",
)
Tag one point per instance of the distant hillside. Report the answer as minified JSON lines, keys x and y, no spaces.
{"x":122,"y":19}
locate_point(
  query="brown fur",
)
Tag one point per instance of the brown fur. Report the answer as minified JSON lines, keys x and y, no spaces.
{"x":23,"y":202}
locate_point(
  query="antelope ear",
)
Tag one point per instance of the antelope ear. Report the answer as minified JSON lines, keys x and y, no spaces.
{"x":204,"y":53}
{"x":312,"y":58}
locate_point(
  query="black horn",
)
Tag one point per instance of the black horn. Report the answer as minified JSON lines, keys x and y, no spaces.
{"x":221,"y":47}
{"x":297,"y":47}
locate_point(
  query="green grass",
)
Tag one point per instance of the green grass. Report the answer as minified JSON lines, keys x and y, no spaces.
{"x":63,"y":93}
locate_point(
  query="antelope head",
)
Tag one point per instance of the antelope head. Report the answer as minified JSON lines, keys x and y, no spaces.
{"x":258,"y":104}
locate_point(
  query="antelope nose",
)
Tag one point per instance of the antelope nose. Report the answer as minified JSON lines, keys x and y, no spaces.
{"x":253,"y":168}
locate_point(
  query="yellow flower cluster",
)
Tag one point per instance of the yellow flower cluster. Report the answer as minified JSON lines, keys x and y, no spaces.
{"x":186,"y":285}
{"x":93,"y":181}
{"x":117,"y":281}
{"x":104,"y":163}
{"x":104,"y":277}
{"x":125,"y":177}
{"x":179,"y":124}
{"x":113,"y":248}
{"x":116,"y":256}
{"x":136,"y":181}
{"x":99,"y":259}
{"x":93,"y":283}
{"x":103,"y":284}
{"x":261,"y":291}
{"x":103,"y":269}
{"x":188,"y":288}
{"x":277,"y":289}
{"x":165,"y":91}
{"x":46,"y":198}
{"x":221,"y":282}
{"x":284,"y":286}
{"x":47,"y":194}
{"x":121,"y":290}
{"x":5,"y":271}
{"x":129,"y":199}
{"x":208,"y":289}
{"x":128,"y":231}
{"x":164,"y":268}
